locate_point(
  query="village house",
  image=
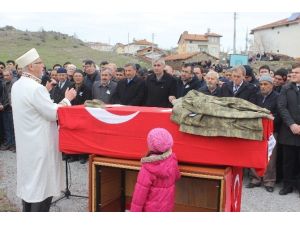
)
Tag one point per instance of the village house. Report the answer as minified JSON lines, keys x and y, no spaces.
{"x":149,"y":54}
{"x":208,"y":42}
{"x":103,"y":47}
{"x":177,"y":60}
{"x":280,"y":37}
{"x":133,"y":47}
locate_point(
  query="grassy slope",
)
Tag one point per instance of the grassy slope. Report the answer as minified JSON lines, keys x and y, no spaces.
{"x":54,"y":48}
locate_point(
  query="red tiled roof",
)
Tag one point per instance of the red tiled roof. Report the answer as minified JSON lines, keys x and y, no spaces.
{"x":180,"y":56}
{"x":195,"y":37}
{"x":276,"y":24}
{"x":142,"y":42}
{"x":184,"y":56}
{"x":141,"y":51}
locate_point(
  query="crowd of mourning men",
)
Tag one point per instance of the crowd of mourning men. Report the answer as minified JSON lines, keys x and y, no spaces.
{"x":132,"y":85}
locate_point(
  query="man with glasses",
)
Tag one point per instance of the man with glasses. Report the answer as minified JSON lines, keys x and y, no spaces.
{"x":160,"y":86}
{"x":39,"y":162}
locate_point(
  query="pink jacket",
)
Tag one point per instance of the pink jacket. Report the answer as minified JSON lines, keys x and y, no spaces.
{"x":155,"y":187}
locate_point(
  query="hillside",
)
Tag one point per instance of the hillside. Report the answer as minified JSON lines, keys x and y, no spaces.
{"x":54,"y":47}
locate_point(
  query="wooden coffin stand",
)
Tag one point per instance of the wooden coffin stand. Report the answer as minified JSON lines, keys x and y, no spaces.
{"x":112,"y":181}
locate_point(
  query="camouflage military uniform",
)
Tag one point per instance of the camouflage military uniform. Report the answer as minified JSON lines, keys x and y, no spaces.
{"x":200,"y":114}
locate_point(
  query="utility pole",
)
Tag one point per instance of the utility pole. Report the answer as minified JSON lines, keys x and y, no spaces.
{"x":234,"y":33}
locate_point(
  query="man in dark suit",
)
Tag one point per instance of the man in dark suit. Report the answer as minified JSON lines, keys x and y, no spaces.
{"x":160,"y":86}
{"x":130,"y":91}
{"x":188,"y":81}
{"x":238,"y":87}
{"x":58,"y":92}
{"x":289,"y":135}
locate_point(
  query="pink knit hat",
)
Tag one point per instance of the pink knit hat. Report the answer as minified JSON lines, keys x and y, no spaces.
{"x":159,"y":140}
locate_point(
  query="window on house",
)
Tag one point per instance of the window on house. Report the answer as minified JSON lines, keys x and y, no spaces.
{"x":191,"y":42}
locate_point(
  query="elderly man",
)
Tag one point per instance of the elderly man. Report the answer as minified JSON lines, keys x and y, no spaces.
{"x":212,"y":84}
{"x":71,"y":68}
{"x":267,"y":98}
{"x":58,"y":93}
{"x":39,"y":164}
{"x":160,"y":86}
{"x":105,"y":88}
{"x":130,"y":91}
{"x":238,"y":87}
{"x":289,"y":135}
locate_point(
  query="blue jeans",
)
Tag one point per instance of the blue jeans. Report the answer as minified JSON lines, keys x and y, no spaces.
{"x":8,"y":128}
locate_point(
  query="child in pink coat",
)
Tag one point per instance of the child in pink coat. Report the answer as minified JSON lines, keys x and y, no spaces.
{"x":155,"y":187}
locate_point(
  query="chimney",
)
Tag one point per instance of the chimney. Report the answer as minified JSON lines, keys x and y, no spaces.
{"x":208,"y":30}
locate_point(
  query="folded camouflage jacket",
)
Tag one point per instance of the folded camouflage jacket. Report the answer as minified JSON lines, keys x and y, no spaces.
{"x":206,"y":115}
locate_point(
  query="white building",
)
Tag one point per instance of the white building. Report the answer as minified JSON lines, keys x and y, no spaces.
{"x":103,"y":47}
{"x":134,"y":47}
{"x":281,"y":37}
{"x":208,"y":42}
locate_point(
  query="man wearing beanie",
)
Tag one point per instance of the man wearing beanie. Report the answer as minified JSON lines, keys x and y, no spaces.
{"x":155,"y":187}
{"x":267,"y":98}
{"x":39,"y":164}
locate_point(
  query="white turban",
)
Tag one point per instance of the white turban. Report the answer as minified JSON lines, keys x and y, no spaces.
{"x":27,"y":58}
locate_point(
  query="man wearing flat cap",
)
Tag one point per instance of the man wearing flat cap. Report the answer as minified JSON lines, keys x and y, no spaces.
{"x":39,"y":168}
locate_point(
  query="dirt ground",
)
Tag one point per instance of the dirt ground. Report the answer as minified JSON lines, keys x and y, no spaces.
{"x":5,"y":205}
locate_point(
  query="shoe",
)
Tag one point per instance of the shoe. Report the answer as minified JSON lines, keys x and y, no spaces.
{"x":269,"y":189}
{"x":12,"y":149}
{"x":286,"y":190}
{"x":251,"y":185}
{"x":4,"y":147}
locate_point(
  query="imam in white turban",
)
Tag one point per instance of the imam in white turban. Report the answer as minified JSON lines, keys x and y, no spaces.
{"x":27,"y":58}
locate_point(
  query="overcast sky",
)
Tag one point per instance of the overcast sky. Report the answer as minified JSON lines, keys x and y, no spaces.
{"x":112,"y":22}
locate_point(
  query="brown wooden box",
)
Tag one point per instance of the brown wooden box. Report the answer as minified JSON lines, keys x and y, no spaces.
{"x":112,"y":181}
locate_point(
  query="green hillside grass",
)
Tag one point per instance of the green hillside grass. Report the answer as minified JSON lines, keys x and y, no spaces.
{"x":54,"y":47}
